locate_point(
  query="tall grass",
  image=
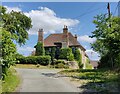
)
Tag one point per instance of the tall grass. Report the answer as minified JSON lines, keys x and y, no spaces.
{"x":11,"y":81}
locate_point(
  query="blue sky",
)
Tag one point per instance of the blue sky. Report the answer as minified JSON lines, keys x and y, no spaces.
{"x":53,"y":16}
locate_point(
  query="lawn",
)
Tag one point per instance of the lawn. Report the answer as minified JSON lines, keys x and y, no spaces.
{"x":100,"y":80}
{"x":11,"y":81}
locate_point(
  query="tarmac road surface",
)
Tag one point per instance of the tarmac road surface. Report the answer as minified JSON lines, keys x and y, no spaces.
{"x":44,"y":80}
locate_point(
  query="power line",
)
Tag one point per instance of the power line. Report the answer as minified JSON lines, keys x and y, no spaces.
{"x":89,"y":12}
{"x":115,"y":9}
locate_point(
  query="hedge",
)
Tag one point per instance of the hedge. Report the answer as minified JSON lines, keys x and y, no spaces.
{"x":42,"y":60}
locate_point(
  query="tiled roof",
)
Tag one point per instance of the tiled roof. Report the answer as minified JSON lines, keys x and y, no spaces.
{"x":58,"y":38}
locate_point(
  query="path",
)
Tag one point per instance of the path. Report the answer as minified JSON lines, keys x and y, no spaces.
{"x":44,"y":80}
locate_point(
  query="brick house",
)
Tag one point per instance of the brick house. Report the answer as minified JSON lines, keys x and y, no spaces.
{"x":62,"y":40}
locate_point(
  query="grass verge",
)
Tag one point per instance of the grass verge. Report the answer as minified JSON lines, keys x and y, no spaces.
{"x":100,"y":80}
{"x":11,"y":81}
{"x":31,"y":66}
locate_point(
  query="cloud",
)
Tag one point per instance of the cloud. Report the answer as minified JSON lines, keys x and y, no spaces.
{"x":47,"y":19}
{"x":86,"y":38}
{"x":92,"y":54}
{"x":9,"y":9}
{"x":29,"y":49}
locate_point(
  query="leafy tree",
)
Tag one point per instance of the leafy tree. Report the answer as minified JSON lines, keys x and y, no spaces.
{"x":40,"y":49}
{"x":8,"y":51}
{"x":17,"y":24}
{"x":107,"y":33}
{"x":13,"y":26}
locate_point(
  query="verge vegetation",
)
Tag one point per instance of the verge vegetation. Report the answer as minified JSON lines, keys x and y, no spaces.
{"x":100,"y":80}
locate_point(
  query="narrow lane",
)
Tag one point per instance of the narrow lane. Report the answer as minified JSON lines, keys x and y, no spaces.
{"x":44,"y":80}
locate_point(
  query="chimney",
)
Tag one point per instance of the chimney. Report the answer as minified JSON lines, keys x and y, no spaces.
{"x":40,"y":35}
{"x":65,"y":37}
{"x":75,"y":37}
{"x":65,"y":29}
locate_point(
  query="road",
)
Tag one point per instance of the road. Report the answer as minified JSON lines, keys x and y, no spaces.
{"x":44,"y":80}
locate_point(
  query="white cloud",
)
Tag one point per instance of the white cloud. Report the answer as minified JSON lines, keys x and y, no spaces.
{"x":86,"y":38}
{"x":92,"y":54}
{"x":29,"y":49}
{"x":9,"y":9}
{"x":47,"y":19}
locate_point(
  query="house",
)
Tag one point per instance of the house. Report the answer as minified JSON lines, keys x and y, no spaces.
{"x":62,"y":40}
{"x":94,"y":64}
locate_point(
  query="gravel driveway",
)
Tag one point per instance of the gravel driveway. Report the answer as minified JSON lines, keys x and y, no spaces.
{"x":44,"y":80}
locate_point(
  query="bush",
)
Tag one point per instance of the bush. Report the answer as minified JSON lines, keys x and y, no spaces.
{"x":40,"y":51}
{"x":66,"y":53}
{"x":42,"y":60}
{"x":61,"y":64}
{"x":60,"y":61}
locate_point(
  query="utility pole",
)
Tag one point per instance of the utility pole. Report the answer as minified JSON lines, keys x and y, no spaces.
{"x":108,"y":7}
{"x":109,"y":15}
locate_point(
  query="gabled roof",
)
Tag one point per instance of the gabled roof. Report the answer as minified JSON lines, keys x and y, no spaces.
{"x":58,"y":38}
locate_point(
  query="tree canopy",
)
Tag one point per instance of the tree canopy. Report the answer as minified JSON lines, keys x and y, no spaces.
{"x":17,"y":23}
{"x":107,"y":33}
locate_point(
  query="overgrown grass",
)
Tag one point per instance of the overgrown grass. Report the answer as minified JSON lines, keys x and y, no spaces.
{"x":11,"y":81}
{"x":96,"y":80}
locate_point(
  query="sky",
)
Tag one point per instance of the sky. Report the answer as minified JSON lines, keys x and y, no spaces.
{"x":52,"y":16}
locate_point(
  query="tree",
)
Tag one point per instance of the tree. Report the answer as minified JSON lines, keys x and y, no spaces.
{"x":40,"y":49}
{"x":8,"y":51}
{"x":107,"y":33}
{"x":17,"y":23}
{"x":13,"y":26}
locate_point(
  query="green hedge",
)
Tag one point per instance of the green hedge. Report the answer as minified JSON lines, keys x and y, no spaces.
{"x":42,"y":60}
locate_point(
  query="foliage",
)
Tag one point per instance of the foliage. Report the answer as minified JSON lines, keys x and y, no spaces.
{"x":61,"y":64}
{"x":40,"y":49}
{"x":17,"y":23}
{"x":88,"y":65}
{"x":66,"y":53}
{"x":95,"y":80}
{"x":8,"y":51}
{"x":42,"y":60}
{"x":77,"y":54}
{"x":78,"y":57}
{"x":107,"y":34}
{"x":11,"y":81}
{"x":13,"y":26}
{"x":52,"y":52}
{"x":60,"y":61}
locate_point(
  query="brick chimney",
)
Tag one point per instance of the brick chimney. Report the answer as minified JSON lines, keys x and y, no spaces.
{"x":40,"y":35}
{"x":65,"y":37}
{"x":75,"y":37}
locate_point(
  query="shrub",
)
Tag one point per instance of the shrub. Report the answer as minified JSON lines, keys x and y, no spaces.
{"x":66,"y":53}
{"x":61,"y":64}
{"x":42,"y":60}
{"x":60,"y":61}
{"x":40,"y":51}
